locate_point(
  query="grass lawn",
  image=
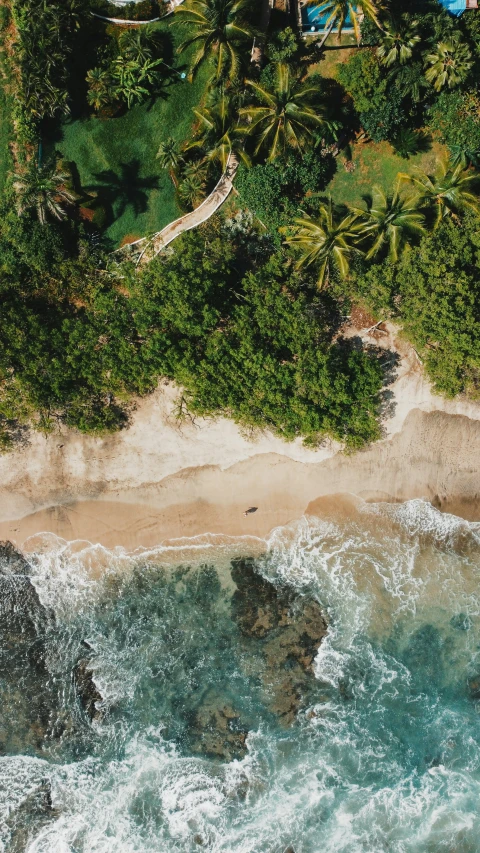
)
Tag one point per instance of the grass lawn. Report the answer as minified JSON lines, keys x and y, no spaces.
{"x":374,"y":162}
{"x":115,"y":157}
{"x":335,"y":53}
{"x":377,"y":163}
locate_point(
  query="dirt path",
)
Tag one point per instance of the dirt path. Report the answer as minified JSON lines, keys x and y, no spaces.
{"x":148,"y":247}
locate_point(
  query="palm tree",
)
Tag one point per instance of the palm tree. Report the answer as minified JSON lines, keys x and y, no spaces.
{"x":449,"y":65}
{"x":288,"y":115}
{"x":337,"y":13}
{"x":192,"y":190}
{"x":101,"y":89}
{"x":326,"y":240}
{"x":139,"y":44}
{"x":131,"y":78}
{"x":398,"y":43}
{"x":448,"y":192}
{"x":170,"y":155}
{"x":218,"y":133}
{"x":390,"y":220}
{"x":43,"y":190}
{"x":462,"y":154}
{"x":220,"y":30}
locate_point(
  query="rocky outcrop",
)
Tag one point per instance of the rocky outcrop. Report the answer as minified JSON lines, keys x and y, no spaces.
{"x":279,"y":633}
{"x":87,"y":691}
{"x":288,"y":629}
{"x":33,"y":710}
{"x":25,"y":695}
{"x":25,"y":822}
{"x":217,"y":730}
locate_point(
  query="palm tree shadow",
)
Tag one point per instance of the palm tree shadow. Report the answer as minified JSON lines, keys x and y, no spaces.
{"x":118,"y":191}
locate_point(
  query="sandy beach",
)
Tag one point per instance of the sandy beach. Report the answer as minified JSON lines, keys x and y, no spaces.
{"x":160,"y":479}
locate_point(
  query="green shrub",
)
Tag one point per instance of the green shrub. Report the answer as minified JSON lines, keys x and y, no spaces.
{"x":434,"y":291}
{"x":455,"y":117}
{"x":379,"y":104}
{"x":275,"y":191}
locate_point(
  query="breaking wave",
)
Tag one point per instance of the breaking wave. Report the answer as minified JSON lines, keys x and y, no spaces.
{"x":185,"y":748}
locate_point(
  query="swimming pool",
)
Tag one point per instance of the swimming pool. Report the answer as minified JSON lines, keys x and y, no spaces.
{"x":456,"y":7}
{"x":314,"y":19}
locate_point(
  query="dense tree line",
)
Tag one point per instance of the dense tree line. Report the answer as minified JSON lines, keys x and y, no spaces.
{"x":45,"y":33}
{"x":434,"y":291}
{"x":232,"y":323}
{"x":245,"y":317}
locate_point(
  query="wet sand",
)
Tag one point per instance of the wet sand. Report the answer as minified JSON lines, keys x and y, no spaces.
{"x":435,"y":456}
{"x":161,"y":478}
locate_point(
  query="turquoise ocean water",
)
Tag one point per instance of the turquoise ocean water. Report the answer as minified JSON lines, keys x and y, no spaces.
{"x":381,"y":753}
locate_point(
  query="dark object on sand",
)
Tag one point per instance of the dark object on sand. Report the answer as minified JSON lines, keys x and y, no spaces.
{"x":250,"y":510}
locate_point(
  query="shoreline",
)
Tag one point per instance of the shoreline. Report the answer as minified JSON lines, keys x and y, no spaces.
{"x":435,"y":457}
{"x":161,"y":479}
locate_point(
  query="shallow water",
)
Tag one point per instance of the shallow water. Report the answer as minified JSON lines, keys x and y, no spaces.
{"x":384,"y":751}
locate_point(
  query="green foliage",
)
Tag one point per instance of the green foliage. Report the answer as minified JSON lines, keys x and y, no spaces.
{"x":46,"y":35}
{"x":327,"y":241}
{"x":284,"y":45}
{"x":471,"y":27}
{"x":130,"y":75}
{"x":384,"y":120}
{"x":338,"y":12}
{"x":275,"y":191}
{"x":287,"y":114}
{"x":407,"y":142}
{"x":254,"y":345}
{"x":455,"y":116}
{"x":398,"y":42}
{"x":378,"y":102}
{"x":435,"y":292}
{"x":262,"y":354}
{"x":221,"y":33}
{"x":362,"y":78}
{"x":449,"y":64}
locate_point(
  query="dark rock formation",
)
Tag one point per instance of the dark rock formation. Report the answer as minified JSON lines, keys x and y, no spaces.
{"x":30,"y":817}
{"x":87,"y":690}
{"x":288,"y":628}
{"x":217,"y":731}
{"x":26,"y":706}
{"x":11,"y":560}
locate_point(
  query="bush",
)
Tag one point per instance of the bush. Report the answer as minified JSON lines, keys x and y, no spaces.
{"x":379,"y":104}
{"x":46,"y":33}
{"x":435,"y":292}
{"x":455,"y":117}
{"x":242,"y":333}
{"x":257,"y":347}
{"x":275,"y":191}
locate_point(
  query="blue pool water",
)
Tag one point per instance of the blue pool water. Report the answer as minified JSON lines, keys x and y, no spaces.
{"x":314,"y":16}
{"x":456,"y":7}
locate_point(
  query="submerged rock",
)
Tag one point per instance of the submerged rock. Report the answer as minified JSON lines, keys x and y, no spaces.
{"x":474,"y":687}
{"x":25,"y":694}
{"x":25,"y":822}
{"x":288,"y":628}
{"x":217,"y":730}
{"x":87,"y":691}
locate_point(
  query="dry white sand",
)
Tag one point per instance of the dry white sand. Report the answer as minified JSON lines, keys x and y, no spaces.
{"x":161,"y":479}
